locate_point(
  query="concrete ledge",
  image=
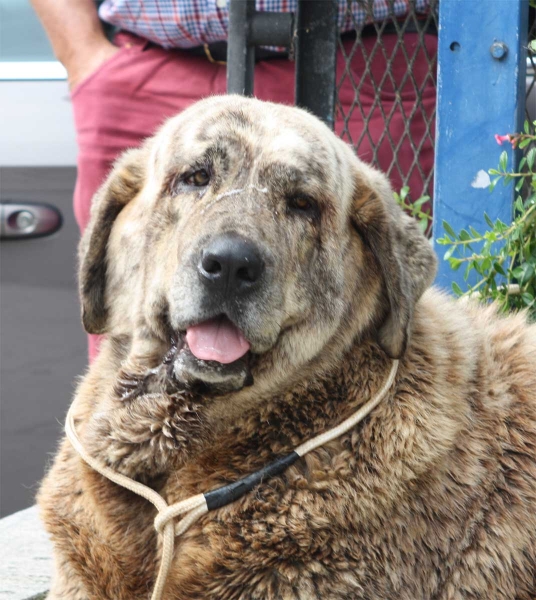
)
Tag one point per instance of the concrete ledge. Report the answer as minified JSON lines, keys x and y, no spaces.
{"x":25,"y":557}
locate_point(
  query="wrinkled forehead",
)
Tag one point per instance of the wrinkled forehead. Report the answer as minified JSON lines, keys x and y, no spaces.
{"x":264,"y":141}
{"x":254,"y":130}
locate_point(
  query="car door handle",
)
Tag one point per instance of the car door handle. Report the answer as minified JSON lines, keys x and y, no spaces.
{"x":26,"y":220}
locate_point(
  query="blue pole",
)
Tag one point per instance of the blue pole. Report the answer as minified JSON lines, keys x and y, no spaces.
{"x":480,"y":93}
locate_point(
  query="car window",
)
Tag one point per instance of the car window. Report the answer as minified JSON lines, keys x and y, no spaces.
{"x":25,"y":52}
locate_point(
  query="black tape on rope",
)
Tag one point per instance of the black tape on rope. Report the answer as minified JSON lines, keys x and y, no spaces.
{"x":229,"y":493}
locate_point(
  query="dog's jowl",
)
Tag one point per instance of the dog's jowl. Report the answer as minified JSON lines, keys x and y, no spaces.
{"x":256,"y":283}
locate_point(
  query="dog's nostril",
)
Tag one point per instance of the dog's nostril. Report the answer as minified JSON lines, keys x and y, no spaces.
{"x":211,"y":265}
{"x":247,"y":274}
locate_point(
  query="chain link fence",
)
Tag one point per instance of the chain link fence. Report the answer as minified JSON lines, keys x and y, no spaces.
{"x":391,"y":66}
{"x":389,"y":77}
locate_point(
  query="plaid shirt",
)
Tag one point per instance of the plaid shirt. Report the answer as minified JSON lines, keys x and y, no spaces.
{"x":189,"y":23}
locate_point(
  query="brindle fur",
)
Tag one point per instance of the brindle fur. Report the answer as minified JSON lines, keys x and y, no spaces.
{"x":433,"y":496}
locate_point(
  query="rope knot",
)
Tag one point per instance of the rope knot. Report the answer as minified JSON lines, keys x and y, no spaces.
{"x":166,"y":515}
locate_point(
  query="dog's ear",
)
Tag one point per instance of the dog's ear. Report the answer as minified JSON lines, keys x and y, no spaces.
{"x":405,"y":257}
{"x":124,"y":182}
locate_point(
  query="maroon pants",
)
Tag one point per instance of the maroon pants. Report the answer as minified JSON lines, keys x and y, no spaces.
{"x":142,"y":85}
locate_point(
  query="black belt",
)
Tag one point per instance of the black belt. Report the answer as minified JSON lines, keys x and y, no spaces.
{"x":217,"y":52}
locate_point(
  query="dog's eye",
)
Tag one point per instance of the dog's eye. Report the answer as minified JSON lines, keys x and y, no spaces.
{"x":301,"y":204}
{"x":198,"y":178}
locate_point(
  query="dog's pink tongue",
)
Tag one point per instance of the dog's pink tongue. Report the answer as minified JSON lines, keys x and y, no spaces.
{"x":217,"y":339}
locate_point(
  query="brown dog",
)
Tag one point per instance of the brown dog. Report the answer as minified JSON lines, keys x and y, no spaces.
{"x":255,"y":281}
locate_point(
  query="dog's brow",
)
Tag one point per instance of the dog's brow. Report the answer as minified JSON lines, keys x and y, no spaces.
{"x":216,"y":150}
{"x":296,"y":174}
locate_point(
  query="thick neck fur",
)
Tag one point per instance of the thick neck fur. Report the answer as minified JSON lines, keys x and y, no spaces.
{"x":160,"y":430}
{"x":145,"y":427}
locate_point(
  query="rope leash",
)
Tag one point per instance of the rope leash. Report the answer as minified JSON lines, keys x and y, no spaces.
{"x":196,"y":506}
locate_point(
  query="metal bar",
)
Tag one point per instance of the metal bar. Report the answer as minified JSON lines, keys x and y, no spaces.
{"x":316,"y":57}
{"x":481,"y":80}
{"x":240,"y":54}
{"x":271,"y":29}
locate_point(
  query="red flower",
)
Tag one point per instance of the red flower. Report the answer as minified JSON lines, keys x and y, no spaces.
{"x":506,"y":138}
{"x":501,"y":138}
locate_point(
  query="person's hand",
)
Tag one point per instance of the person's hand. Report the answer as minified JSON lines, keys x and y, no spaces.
{"x":87,"y":60}
{"x":76,"y":35}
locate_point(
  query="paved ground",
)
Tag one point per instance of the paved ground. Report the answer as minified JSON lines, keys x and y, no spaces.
{"x":25,"y":557}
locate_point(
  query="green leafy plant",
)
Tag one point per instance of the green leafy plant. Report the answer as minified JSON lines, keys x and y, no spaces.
{"x":504,"y":256}
{"x":415,"y":208}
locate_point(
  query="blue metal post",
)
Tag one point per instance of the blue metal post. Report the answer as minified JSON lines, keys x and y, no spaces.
{"x":481,"y":92}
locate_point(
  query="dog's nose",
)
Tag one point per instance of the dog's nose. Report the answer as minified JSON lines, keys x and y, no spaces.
{"x":231,"y":264}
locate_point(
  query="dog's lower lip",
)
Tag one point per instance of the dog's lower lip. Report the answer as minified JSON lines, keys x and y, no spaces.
{"x":186,"y":348}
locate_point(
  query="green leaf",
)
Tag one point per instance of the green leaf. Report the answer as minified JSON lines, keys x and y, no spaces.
{"x":522,"y":162}
{"x":519,"y":184}
{"x":455,"y":263}
{"x":526,"y":126}
{"x":523,"y":273}
{"x":449,"y":230}
{"x":456,"y":289}
{"x":497,"y":266}
{"x":488,"y":220}
{"x":493,"y":183}
{"x":449,"y":253}
{"x":503,"y":160}
{"x":500,"y":226}
{"x":486,"y":264}
{"x":464,"y":235}
{"x":467,"y":271}
{"x":474,"y":232}
{"x":420,"y":201}
{"x":404,"y":192}
{"x":524,"y":143}
{"x":527,"y":298}
{"x":530,"y":158}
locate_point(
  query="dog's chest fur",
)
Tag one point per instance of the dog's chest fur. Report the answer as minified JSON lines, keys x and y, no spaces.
{"x":435,"y":486}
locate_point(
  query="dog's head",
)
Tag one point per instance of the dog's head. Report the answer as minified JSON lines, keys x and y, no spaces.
{"x":252,"y":236}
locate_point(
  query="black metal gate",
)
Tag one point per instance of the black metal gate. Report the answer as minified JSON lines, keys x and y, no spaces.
{"x":334,"y":85}
{"x":367,"y":68}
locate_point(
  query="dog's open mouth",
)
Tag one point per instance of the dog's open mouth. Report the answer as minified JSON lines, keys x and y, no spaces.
{"x":218,"y":340}
{"x":215,"y":353}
